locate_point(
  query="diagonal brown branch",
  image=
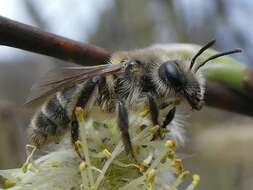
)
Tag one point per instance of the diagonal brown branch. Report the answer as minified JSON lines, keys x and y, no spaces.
{"x":18,"y":35}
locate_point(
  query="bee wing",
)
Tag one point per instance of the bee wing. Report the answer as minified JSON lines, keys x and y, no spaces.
{"x":64,"y":78}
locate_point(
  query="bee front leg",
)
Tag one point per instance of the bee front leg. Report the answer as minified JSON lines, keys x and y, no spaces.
{"x":169,"y":117}
{"x":123,"y":124}
{"x":154,"y":113}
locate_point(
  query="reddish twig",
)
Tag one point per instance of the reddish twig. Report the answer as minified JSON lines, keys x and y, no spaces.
{"x":220,"y":96}
{"x":18,"y":35}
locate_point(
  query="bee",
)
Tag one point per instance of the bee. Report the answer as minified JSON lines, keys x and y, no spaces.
{"x":130,"y":81}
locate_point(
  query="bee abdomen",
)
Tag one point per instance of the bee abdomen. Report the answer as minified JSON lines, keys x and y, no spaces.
{"x":42,"y":130}
{"x":56,"y":112}
{"x":50,"y":122}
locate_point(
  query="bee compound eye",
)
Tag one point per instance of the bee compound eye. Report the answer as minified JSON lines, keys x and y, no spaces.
{"x":170,"y":73}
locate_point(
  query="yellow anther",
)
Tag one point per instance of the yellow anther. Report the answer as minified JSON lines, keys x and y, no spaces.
{"x":178,"y":165}
{"x":79,"y":114}
{"x":196,"y":180}
{"x":141,"y":168}
{"x":83,"y":166}
{"x":171,"y":155}
{"x":170,"y":143}
{"x":8,"y":184}
{"x":144,"y":113}
{"x":107,"y":153}
{"x":151,"y":178}
{"x":164,"y":130}
{"x":78,"y":144}
{"x":154,"y":129}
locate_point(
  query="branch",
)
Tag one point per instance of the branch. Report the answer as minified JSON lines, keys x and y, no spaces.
{"x":229,"y":87}
{"x":18,"y":35}
{"x":223,"y":97}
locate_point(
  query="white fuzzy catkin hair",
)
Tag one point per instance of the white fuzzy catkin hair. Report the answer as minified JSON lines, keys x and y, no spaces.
{"x":59,"y":169}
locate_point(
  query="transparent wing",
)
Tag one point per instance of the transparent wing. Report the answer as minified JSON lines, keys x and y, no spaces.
{"x":64,"y":78}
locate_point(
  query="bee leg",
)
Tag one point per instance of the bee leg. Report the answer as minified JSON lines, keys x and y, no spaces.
{"x":169,"y":117}
{"x":86,"y":101}
{"x":154,"y":112}
{"x":75,"y":136}
{"x":123,"y":124}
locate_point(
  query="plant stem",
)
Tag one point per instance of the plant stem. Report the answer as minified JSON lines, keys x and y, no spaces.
{"x":22,"y":36}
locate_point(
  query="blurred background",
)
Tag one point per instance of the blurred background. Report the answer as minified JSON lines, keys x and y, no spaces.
{"x":218,"y":143}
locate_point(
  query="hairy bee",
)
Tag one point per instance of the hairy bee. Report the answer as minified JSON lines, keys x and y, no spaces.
{"x":132,"y":80}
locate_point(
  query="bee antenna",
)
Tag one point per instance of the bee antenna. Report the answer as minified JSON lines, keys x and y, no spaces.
{"x":218,"y":55}
{"x":205,"y":47}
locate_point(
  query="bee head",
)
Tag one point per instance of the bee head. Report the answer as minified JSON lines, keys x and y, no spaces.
{"x":186,"y":81}
{"x":182,"y":82}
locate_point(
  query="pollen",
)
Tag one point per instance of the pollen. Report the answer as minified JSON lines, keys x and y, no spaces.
{"x":78,"y":144}
{"x":153,"y":130}
{"x":107,"y":153}
{"x":151,"y":178}
{"x":170,"y":144}
{"x":8,"y":184}
{"x":171,"y":155}
{"x":144,"y":113}
{"x":79,"y":114}
{"x":178,"y":165}
{"x":196,"y":179}
{"x":83,"y":166}
{"x":195,"y":182}
{"x":141,"y":168}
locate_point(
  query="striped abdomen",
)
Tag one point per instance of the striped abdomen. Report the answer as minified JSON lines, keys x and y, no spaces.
{"x":53,"y":118}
